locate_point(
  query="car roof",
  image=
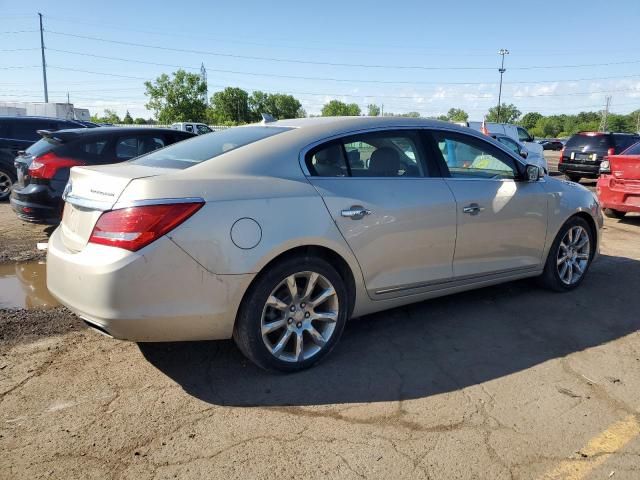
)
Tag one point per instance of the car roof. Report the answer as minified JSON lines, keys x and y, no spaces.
{"x":25,"y":117}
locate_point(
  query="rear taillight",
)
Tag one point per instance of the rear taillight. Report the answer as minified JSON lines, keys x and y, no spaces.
{"x":611,"y":151}
{"x":48,"y":165}
{"x":561,"y":155}
{"x":135,"y":227}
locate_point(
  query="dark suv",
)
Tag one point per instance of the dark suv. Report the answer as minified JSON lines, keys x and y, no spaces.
{"x":43,"y":170}
{"x":584,"y":151}
{"x":19,"y":133}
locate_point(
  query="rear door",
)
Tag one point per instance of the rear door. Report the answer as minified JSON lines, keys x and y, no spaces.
{"x":398,"y":219}
{"x":502,"y":222}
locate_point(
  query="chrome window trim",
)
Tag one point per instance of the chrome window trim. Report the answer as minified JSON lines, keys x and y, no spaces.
{"x":156,"y":201}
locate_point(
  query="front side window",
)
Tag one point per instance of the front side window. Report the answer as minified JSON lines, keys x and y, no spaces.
{"x":523,"y":135}
{"x":202,"y":129}
{"x":467,"y":157}
{"x":189,"y":128}
{"x":510,"y":144}
{"x":379,"y":154}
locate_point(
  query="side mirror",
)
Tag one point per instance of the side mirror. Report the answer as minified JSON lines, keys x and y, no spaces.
{"x":533,"y":173}
{"x":524,"y":153}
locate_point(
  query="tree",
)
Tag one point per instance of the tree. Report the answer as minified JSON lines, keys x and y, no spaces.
{"x":177,"y":99}
{"x":508,"y":114}
{"x":110,"y":116}
{"x":336,"y":108}
{"x":457,"y":115}
{"x":127,"y":118}
{"x":279,"y":105}
{"x":230,"y":105}
{"x":374,"y":110}
{"x":140,"y":121}
{"x":530,"y":119}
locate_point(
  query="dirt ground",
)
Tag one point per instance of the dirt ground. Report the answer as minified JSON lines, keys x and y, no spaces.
{"x":18,"y":239}
{"x":507,"y":382}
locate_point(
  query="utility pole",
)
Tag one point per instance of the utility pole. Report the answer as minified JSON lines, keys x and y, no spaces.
{"x":503,"y":52}
{"x":44,"y":64}
{"x":203,"y":79}
{"x":382,"y":111}
{"x":605,"y":113}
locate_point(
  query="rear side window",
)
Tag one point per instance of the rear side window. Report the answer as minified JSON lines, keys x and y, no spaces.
{"x":130,"y":147}
{"x":622,"y":142}
{"x":588,"y":142}
{"x":205,"y":147}
{"x":189,"y":128}
{"x":379,"y":154}
{"x":42,"y":146}
{"x":633,"y":150}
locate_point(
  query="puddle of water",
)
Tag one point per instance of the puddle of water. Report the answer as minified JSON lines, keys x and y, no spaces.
{"x":24,"y":285}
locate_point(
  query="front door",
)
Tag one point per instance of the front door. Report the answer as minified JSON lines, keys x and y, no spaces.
{"x":399,"y":222}
{"x":502,"y":220}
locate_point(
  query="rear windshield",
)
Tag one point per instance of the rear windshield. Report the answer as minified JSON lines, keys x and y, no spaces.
{"x":589,"y":142}
{"x":42,"y":146}
{"x":633,"y":150}
{"x":196,"y":150}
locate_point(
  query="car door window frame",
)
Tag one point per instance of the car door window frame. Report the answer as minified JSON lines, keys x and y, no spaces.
{"x":500,"y":152}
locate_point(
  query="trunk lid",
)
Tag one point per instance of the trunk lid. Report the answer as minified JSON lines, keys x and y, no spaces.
{"x":91,"y":191}
{"x":625,"y":167}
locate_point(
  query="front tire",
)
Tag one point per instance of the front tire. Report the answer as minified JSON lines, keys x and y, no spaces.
{"x":614,"y":213}
{"x":569,"y":257}
{"x":7,"y":180}
{"x":293,"y":315}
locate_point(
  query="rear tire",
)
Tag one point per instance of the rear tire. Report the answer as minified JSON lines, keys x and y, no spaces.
{"x":7,"y":180}
{"x":573,"y":178}
{"x":614,"y":213}
{"x":293,"y":315}
{"x":569,"y":257}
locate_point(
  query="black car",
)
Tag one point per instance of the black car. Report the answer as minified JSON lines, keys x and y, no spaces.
{"x":555,"y":145}
{"x":584,"y":151}
{"x":17,"y":134}
{"x":43,"y":170}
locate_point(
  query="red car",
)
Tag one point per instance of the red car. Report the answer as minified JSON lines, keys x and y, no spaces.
{"x":618,"y":186}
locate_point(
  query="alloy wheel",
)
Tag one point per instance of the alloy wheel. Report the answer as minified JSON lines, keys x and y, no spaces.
{"x":300,"y":316}
{"x":5,"y":185}
{"x":573,"y":255}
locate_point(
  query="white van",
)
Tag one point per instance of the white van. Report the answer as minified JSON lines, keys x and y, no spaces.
{"x":519,"y":134}
{"x":192,"y":127}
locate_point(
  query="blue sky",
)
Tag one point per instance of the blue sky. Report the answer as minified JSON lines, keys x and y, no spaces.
{"x":556,"y":65}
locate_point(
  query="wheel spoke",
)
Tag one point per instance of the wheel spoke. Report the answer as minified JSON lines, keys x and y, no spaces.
{"x":275,"y":302}
{"x":578,"y":268}
{"x":563,"y":270}
{"x":584,"y":240}
{"x":569,"y":272}
{"x":562,"y":260}
{"x":293,"y":287}
{"x":311,"y":284}
{"x":267,"y":328}
{"x":316,"y":336}
{"x":323,"y":297}
{"x":325,"y":316}
{"x":583,"y":256}
{"x":281,"y":343}
{"x":570,"y":236}
{"x":299,"y":346}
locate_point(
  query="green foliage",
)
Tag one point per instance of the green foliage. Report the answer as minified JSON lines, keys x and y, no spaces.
{"x":373,"y":110}
{"x":127,"y":119}
{"x":457,"y":115}
{"x":231,"y":105}
{"x":508,"y":114}
{"x":408,"y":114}
{"x":279,"y":105}
{"x":177,"y":99}
{"x":110,"y":116}
{"x":336,"y":108}
{"x":530,"y":119}
{"x":140,"y":121}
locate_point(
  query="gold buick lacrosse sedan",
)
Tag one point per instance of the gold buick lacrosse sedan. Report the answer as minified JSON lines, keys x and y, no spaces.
{"x":276,"y":233}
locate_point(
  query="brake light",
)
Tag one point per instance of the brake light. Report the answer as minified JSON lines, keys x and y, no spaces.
{"x":136,"y":227}
{"x":48,"y":165}
{"x":561,"y":155}
{"x":611,"y":151}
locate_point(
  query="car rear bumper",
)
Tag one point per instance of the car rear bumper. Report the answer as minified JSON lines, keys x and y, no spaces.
{"x":624,"y":197}
{"x":582,"y":169}
{"x":156,"y":294}
{"x":37,"y":203}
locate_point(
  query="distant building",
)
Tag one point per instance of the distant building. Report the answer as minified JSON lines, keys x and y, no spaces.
{"x":41,"y":109}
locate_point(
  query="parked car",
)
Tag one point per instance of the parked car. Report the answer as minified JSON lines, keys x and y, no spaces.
{"x":192,"y":127}
{"x":519,"y":134}
{"x":17,"y":134}
{"x":277,"y":233}
{"x":43,"y":169}
{"x":618,"y":186}
{"x":516,"y":147}
{"x":584,"y":151}
{"x":554,"y":145}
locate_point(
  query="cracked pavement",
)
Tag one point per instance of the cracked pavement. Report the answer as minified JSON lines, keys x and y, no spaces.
{"x":506,"y":382}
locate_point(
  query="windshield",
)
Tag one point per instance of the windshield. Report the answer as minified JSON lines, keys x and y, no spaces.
{"x":196,"y":150}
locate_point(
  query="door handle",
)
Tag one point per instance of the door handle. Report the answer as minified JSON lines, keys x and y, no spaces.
{"x":356,"y":212}
{"x":473,"y":209}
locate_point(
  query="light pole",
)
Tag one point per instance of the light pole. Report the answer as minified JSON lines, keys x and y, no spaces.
{"x":503,"y":52}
